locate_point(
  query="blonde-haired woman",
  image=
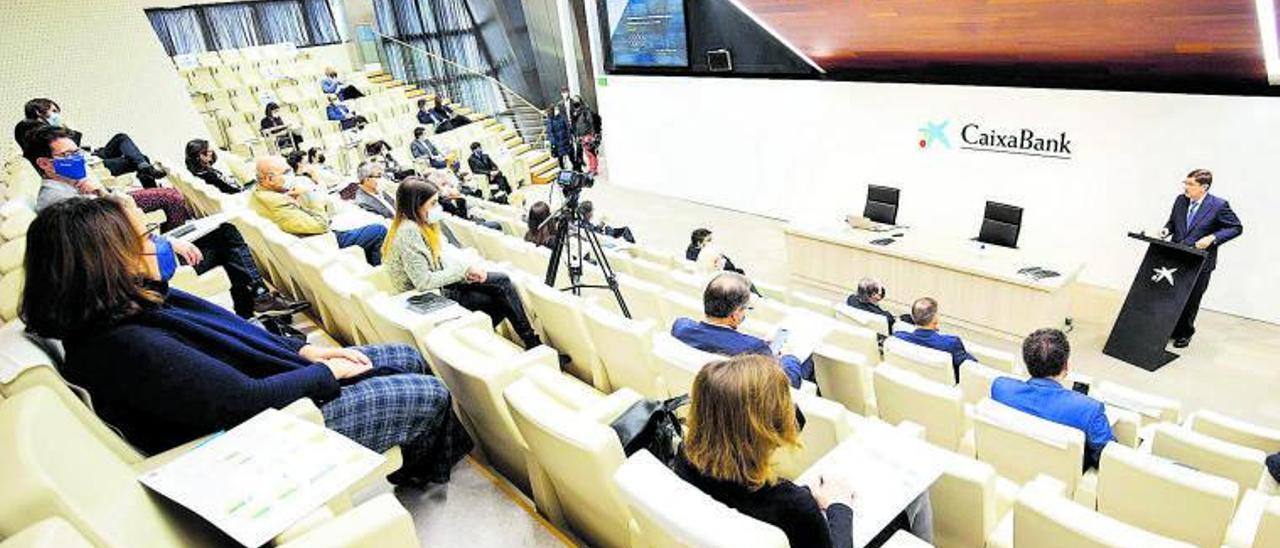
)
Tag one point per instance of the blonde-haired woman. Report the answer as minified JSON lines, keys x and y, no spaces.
{"x":740,"y":414}
{"x":416,"y":260}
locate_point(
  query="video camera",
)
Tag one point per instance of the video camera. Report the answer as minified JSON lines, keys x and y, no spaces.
{"x":572,"y":182}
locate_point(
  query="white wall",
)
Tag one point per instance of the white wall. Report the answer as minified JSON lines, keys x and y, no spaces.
{"x":807,"y":149}
{"x":103,"y":64}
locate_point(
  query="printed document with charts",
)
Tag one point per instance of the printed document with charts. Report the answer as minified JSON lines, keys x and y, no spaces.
{"x":886,"y":472}
{"x":258,"y":478}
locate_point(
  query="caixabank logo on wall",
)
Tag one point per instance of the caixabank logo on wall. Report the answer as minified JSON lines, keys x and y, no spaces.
{"x":976,"y":137}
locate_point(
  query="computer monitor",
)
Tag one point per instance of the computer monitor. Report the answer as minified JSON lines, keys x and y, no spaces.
{"x":882,"y":204}
{"x":1001,"y":224}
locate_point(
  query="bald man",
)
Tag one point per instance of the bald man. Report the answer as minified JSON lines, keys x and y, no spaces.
{"x":295,"y":205}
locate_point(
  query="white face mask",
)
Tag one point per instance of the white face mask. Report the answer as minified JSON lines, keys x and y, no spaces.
{"x":435,"y":215}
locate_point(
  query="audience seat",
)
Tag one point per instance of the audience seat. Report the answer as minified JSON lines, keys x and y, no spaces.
{"x":677,"y":305}
{"x":975,"y":381}
{"x":1150,"y":407}
{"x":213,"y":285}
{"x":11,"y":254}
{"x":967,"y":507}
{"x":997,"y":359}
{"x":826,"y":425}
{"x":670,"y":512}
{"x":1256,"y":523}
{"x":565,"y":329}
{"x":811,"y":302}
{"x":690,"y":284}
{"x":903,"y":395}
{"x":1022,"y":446}
{"x":931,"y":364}
{"x":625,"y":349}
{"x":651,"y":272}
{"x":679,"y":362}
{"x":773,"y":291}
{"x":579,"y":453}
{"x":1162,"y":497}
{"x":97,"y":492}
{"x":1235,"y":431}
{"x":861,"y":318}
{"x":1043,"y":516}
{"x":845,"y":377}
{"x":52,"y":532}
{"x":1237,"y":463}
{"x":11,"y":284}
{"x":854,"y":338}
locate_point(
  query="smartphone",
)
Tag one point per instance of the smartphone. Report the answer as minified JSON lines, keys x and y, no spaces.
{"x":1080,"y":387}
{"x":779,"y":340}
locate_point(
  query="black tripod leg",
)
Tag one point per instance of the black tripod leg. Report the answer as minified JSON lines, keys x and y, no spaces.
{"x":605,"y":268}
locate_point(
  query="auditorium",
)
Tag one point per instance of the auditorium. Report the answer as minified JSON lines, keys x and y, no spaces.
{"x":639,"y":273}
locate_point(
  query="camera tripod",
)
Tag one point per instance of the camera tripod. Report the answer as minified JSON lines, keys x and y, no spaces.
{"x":567,"y":243}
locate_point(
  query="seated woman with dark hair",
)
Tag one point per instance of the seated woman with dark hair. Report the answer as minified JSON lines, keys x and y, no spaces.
{"x":417,"y":259}
{"x":380,"y":151}
{"x":200,"y":159}
{"x":275,"y":126}
{"x":542,"y":230}
{"x":166,"y":367}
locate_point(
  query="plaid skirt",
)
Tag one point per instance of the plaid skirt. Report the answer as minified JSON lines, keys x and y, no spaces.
{"x":412,"y":410}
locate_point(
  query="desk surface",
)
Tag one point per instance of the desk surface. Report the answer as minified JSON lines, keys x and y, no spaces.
{"x":995,"y":262}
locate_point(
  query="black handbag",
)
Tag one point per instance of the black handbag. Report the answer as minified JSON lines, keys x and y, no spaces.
{"x":651,"y":425}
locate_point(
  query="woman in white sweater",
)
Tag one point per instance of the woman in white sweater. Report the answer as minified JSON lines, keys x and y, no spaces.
{"x":416,"y":258}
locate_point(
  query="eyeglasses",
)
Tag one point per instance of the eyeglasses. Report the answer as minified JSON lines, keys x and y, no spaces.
{"x":73,"y":153}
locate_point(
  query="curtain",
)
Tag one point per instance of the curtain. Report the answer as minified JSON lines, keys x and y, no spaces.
{"x":321,"y":22}
{"x":281,"y":22}
{"x":179,"y":31}
{"x":232,"y":26}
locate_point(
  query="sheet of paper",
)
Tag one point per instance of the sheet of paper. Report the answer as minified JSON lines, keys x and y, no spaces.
{"x":807,"y":331}
{"x":255,"y":480}
{"x":886,"y":472}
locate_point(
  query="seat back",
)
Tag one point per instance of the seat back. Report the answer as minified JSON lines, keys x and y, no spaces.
{"x":976,"y":379}
{"x":689,"y":284}
{"x":845,"y":377}
{"x":671,"y":512}
{"x":812,"y":302}
{"x":853,"y":338}
{"x":579,"y":456}
{"x":11,"y":284}
{"x":1237,"y":463}
{"x":1150,"y":407}
{"x":1042,"y":518}
{"x":964,"y":501}
{"x":1022,"y":446}
{"x":561,"y":317}
{"x":861,"y":318}
{"x":772,"y":291}
{"x":903,"y":395}
{"x":678,"y":305}
{"x":1268,"y":533}
{"x":625,"y":349}
{"x":1236,"y":431}
{"x":651,"y":272}
{"x":931,"y":364}
{"x":997,"y":359}
{"x":826,"y":425}
{"x":644,"y":300}
{"x":489,"y":243}
{"x":1165,"y":498}
{"x":679,"y":363}
{"x":51,"y":465}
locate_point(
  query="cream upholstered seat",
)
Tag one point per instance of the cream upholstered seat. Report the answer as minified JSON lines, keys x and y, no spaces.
{"x":670,"y":512}
{"x":689,"y":284}
{"x":854,"y":338}
{"x":489,"y":243}
{"x":15,"y":225}
{"x":97,"y":493}
{"x":1256,"y":523}
{"x":463,"y":352}
{"x":931,"y":364}
{"x":845,"y":377}
{"x":861,"y":318}
{"x":625,"y":349}
{"x":1022,"y":446}
{"x":679,"y":363}
{"x":565,"y":330}
{"x":11,"y":284}
{"x":579,"y":453}
{"x":811,"y":302}
{"x":212,"y":285}
{"x":342,"y":290}
{"x":997,"y":359}
{"x":651,"y":272}
{"x":1043,"y":516}
{"x":772,"y":291}
{"x":52,"y":532}
{"x":11,"y":253}
{"x":1150,"y":407}
{"x":976,"y":379}
{"x":1165,"y":498}
{"x":826,"y":425}
{"x":903,"y":395}
{"x":1234,"y":430}
{"x":644,"y":300}
{"x":678,"y":305}
{"x":967,"y":506}
{"x":1237,"y":463}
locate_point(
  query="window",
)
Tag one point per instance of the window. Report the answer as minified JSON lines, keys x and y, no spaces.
{"x":212,"y":27}
{"x":426,"y":31}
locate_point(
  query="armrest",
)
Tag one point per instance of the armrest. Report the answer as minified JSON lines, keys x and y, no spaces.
{"x":305,"y":409}
{"x":610,"y":407}
{"x":302,"y":408}
{"x":1126,"y":426}
{"x":381,"y":521}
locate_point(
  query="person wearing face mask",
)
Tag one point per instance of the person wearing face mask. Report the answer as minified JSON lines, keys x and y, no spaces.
{"x":481,"y":164}
{"x":56,"y":156}
{"x":561,"y":138}
{"x":340,"y":113}
{"x":452,"y":200}
{"x":120,"y":155}
{"x":332,"y":85}
{"x":200,"y":160}
{"x":726,"y":301}
{"x":295,"y":205}
{"x":380,"y":151}
{"x":443,"y":117}
{"x":165,"y":367}
{"x":417,"y":259}
{"x":586,"y":131}
{"x":275,"y":126}
{"x":421,"y":147}
{"x":375,"y":193}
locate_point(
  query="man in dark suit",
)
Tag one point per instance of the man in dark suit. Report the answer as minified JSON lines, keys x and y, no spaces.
{"x":1205,"y":221}
{"x":481,"y":164}
{"x":924,"y":314}
{"x":867,"y":299}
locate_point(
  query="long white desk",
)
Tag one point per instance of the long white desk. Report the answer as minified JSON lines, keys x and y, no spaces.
{"x":977,"y":287}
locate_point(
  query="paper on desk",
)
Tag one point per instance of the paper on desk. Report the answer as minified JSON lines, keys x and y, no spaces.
{"x":262,"y":476}
{"x":806,"y":333}
{"x":886,"y":473}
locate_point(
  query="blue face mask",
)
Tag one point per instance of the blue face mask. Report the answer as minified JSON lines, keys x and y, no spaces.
{"x":73,"y":168}
{"x":166,"y":260}
{"x":54,"y":119}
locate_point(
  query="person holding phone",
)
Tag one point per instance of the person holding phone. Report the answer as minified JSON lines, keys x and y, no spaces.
{"x":1046,"y":394}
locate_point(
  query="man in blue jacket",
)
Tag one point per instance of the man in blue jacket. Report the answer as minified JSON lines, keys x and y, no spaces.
{"x":1205,"y":221}
{"x":1045,"y":395}
{"x":725,"y":303}
{"x":924,"y":314}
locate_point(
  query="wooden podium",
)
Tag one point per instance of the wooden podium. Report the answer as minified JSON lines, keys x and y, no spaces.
{"x":1159,"y":292}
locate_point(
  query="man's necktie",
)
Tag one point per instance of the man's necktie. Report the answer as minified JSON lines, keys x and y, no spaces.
{"x":1191,"y":213}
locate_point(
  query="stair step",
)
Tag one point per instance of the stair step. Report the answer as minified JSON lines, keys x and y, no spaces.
{"x":509,"y":133}
{"x":414,"y":93}
{"x":545,"y":177}
{"x":520,"y":148}
{"x":543,"y":166}
{"x":513,"y":142}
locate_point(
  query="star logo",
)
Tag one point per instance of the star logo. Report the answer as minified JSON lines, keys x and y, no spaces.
{"x":1165,"y":274}
{"x":934,"y":133}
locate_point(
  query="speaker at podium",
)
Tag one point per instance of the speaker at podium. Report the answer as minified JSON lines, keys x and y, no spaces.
{"x":1159,"y":291}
